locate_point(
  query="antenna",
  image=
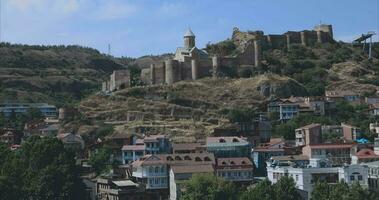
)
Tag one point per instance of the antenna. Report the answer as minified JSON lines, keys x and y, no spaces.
{"x":109,"y":48}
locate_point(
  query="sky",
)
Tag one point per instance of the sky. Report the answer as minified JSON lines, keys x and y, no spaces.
{"x":135,"y":28}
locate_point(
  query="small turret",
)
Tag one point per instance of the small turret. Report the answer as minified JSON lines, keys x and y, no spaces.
{"x":189,"y":39}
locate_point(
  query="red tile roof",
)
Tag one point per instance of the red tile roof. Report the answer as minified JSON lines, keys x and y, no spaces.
{"x":331,"y":146}
{"x":366,"y":153}
{"x":230,"y":162}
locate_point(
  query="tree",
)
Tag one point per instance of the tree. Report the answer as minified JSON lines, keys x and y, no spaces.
{"x":341,"y":191}
{"x":241,"y":115}
{"x":100,"y":160}
{"x":208,"y":187}
{"x":285,"y":188}
{"x":261,"y":191}
{"x":41,"y":169}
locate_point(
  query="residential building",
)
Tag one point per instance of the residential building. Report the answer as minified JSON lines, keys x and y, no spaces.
{"x":239,"y":170}
{"x":374,"y":127}
{"x":276,"y":147}
{"x":71,"y":141}
{"x":111,"y":187}
{"x":373,"y":175}
{"x":331,"y":132}
{"x":10,"y":136}
{"x":290,"y":160}
{"x":374,"y":109}
{"x":363,"y":156}
{"x":178,"y":148}
{"x":346,"y":95}
{"x":153,"y":170}
{"x":291,"y":107}
{"x":371,"y":100}
{"x":156,"y":144}
{"x":338,"y":154}
{"x":319,"y":170}
{"x":224,"y":147}
{"x":309,"y":134}
{"x":180,"y":174}
{"x":131,"y":153}
{"x":20,"y":108}
{"x":350,"y":133}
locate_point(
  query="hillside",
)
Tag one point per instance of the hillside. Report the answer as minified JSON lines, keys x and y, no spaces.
{"x":53,"y":74}
{"x":189,"y":109}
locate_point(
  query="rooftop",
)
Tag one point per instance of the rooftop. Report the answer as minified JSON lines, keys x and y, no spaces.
{"x":230,"y":140}
{"x":331,"y":146}
{"x":189,"y":33}
{"x":190,"y":169}
{"x":290,"y":158}
{"x":242,"y":161}
{"x":186,"y":146}
{"x":309,"y":126}
{"x":133,"y":147}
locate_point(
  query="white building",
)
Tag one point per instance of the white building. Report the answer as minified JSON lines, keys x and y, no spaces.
{"x":305,"y":178}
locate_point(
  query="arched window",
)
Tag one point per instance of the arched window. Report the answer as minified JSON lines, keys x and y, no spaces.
{"x":178,"y":158}
{"x":223,"y":163}
{"x":187,"y":158}
{"x":206,"y":158}
{"x":235,"y":140}
{"x":232,"y":163}
{"x":221,"y":140}
{"x":243,"y":162}
{"x":198,"y":159}
{"x":169,"y":158}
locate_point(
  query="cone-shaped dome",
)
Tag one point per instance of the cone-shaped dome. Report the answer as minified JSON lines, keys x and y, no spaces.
{"x":189,"y":33}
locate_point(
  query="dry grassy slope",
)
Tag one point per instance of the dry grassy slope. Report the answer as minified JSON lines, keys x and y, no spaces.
{"x":351,"y":76}
{"x":187,"y":109}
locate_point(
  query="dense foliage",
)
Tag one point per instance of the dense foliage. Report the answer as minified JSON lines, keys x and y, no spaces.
{"x":41,"y":169}
{"x":209,"y":187}
{"x":341,"y":191}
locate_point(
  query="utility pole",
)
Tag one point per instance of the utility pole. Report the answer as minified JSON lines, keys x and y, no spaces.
{"x":109,"y":49}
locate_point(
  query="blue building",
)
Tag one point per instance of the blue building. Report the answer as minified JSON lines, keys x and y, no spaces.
{"x":227,"y":147}
{"x":18,"y":108}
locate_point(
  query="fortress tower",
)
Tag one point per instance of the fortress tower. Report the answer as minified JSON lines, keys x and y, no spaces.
{"x":189,"y":39}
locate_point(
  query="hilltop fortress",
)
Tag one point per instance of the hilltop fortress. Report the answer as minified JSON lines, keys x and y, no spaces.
{"x":191,"y":63}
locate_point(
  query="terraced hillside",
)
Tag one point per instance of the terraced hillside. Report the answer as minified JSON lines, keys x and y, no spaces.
{"x":187,"y":109}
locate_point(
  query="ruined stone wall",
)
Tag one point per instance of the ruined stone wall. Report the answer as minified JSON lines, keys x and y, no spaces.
{"x":205,"y":68}
{"x":247,"y":56}
{"x":276,"y":41}
{"x":119,"y":78}
{"x":186,"y":71}
{"x":159,"y":74}
{"x":295,"y":37}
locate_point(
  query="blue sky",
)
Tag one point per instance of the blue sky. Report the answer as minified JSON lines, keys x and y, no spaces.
{"x":143,"y":27}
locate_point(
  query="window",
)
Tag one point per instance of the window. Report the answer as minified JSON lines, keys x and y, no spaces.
{"x":297,"y":177}
{"x":221,"y":140}
{"x":352,"y":178}
{"x":187,"y":158}
{"x":156,"y":181}
{"x":198,"y":159}
{"x":360,"y":177}
{"x":162,"y":169}
{"x":178,"y":158}
{"x":150,"y":169}
{"x":207,"y":158}
{"x":156,"y":169}
{"x":235,"y":140}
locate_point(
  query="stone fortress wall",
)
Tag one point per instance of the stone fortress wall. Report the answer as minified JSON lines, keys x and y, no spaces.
{"x":191,"y":63}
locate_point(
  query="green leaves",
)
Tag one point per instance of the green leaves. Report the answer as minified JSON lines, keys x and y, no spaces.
{"x":41,"y":169}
